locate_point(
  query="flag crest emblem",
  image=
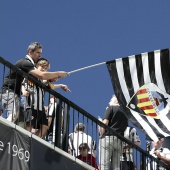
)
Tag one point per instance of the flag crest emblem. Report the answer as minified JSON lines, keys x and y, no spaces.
{"x":149,"y":100}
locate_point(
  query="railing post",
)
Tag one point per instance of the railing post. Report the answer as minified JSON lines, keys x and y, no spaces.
{"x":58,"y":124}
{"x":143,"y":165}
{"x":65,"y":126}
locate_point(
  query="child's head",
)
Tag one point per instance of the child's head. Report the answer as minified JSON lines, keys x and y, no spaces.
{"x":43,"y":64}
{"x":79,"y":127}
{"x":158,"y":144}
{"x":84,"y":149}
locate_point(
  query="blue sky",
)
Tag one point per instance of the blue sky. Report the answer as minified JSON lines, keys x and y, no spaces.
{"x":79,"y":33}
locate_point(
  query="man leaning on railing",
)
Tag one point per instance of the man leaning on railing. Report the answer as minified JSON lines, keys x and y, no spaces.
{"x":11,"y":89}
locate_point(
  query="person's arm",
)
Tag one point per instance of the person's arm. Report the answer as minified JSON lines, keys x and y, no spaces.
{"x":105,"y":120}
{"x":138,"y":143}
{"x":102,"y":130}
{"x":93,"y":148}
{"x":62,"y":86}
{"x":130,"y":146}
{"x":24,"y":91}
{"x":48,"y":75}
{"x":94,"y":153}
{"x":166,"y":160}
{"x":55,"y":86}
{"x":163,"y":158}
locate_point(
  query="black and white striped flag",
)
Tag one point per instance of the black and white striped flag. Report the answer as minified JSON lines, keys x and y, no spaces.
{"x":142,"y":85}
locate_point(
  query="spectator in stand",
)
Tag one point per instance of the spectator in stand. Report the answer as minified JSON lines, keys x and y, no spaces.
{"x":36,"y":118}
{"x":35,"y":101}
{"x":85,"y":156}
{"x":53,"y":103}
{"x":51,"y":113}
{"x":11,"y":89}
{"x":127,"y":162}
{"x":110,"y":145}
{"x":51,"y":116}
{"x":159,"y":152}
{"x":79,"y":136}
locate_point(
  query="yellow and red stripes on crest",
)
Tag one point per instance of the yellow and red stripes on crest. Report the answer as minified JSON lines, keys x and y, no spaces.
{"x":145,"y":104}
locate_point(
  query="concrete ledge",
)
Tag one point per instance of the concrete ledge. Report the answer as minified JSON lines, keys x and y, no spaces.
{"x":47,"y":144}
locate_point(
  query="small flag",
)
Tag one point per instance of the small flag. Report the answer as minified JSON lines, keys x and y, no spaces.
{"x":142,"y":85}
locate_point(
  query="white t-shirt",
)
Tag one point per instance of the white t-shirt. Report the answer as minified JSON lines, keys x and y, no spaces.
{"x":76,"y":138}
{"x":163,"y":152}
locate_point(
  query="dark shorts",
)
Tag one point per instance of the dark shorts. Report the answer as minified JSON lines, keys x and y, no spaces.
{"x":36,"y":118}
{"x":127,"y":165}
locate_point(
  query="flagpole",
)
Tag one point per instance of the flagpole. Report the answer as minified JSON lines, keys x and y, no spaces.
{"x":83,"y":68}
